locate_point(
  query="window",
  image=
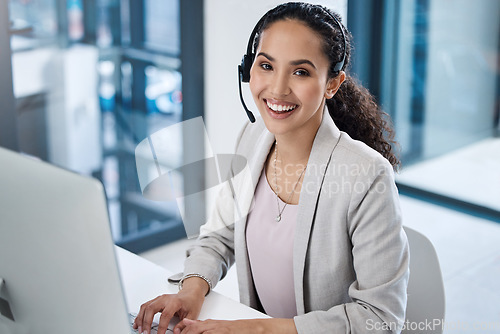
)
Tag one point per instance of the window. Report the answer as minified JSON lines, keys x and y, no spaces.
{"x":439,"y":81}
{"x":92,"y":79}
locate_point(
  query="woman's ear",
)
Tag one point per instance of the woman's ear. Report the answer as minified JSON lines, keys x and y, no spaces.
{"x":333,"y":85}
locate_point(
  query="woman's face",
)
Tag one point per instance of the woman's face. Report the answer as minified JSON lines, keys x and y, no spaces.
{"x":289,"y":78}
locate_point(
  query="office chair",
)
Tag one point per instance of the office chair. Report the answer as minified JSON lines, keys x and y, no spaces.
{"x":426,"y":298}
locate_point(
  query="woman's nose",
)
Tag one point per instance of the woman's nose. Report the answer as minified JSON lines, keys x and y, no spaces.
{"x":279,"y":85}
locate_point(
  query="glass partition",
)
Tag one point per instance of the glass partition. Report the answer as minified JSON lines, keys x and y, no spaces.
{"x":440,"y":83}
{"x":92,"y":79}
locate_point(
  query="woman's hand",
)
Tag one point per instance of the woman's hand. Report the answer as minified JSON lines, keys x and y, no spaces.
{"x":186,"y":303}
{"x":253,"y":326}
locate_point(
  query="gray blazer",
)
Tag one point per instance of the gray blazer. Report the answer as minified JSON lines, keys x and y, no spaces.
{"x":350,"y":256}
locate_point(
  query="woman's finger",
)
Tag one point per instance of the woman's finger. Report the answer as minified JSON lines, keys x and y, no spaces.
{"x":167,"y":315}
{"x":181,"y":326}
{"x":138,"y":322}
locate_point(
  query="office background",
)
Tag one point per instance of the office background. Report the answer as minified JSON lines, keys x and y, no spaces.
{"x":83,"y":82}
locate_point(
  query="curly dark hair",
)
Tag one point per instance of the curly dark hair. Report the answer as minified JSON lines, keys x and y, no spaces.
{"x":353,"y":108}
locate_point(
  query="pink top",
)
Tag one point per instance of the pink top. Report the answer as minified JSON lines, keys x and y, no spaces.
{"x":270,"y":250}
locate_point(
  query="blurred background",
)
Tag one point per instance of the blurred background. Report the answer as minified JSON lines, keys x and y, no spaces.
{"x":84,"y":82}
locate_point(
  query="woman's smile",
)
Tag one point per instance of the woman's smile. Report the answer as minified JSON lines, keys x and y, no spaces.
{"x":280,"y":109}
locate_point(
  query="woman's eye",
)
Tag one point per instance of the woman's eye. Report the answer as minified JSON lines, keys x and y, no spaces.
{"x":266,"y":66}
{"x":301,"y":73}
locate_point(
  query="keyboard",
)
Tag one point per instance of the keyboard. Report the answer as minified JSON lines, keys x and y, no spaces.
{"x":154,"y":327}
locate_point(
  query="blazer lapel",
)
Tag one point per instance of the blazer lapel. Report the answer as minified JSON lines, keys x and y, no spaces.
{"x":257,"y":158}
{"x":324,"y":143}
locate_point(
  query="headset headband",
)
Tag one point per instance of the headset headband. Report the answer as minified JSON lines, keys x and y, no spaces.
{"x":248,"y":58}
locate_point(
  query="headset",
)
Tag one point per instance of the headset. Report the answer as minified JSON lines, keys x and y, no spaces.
{"x":248,"y":58}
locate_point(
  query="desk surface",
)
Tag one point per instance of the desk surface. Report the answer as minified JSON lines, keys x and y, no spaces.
{"x":143,"y":280}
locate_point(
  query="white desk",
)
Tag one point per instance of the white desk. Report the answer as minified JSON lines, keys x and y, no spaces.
{"x":143,"y":280}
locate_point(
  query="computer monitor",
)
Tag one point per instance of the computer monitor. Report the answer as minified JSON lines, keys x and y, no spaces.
{"x":58,"y":270}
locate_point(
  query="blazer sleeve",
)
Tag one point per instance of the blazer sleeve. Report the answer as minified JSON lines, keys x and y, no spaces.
{"x":380,"y":260}
{"x":213,"y":253}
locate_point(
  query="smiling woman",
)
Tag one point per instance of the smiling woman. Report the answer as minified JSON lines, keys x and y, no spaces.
{"x":322,"y":250}
{"x":289,"y":71}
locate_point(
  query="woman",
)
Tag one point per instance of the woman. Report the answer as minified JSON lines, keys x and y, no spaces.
{"x":313,"y":221}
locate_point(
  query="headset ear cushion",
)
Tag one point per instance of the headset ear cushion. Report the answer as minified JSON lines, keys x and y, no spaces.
{"x":246,"y":65}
